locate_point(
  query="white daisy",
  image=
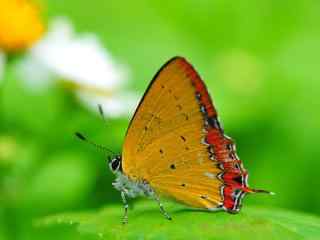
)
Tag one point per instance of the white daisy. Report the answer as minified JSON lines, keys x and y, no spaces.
{"x":81,"y":63}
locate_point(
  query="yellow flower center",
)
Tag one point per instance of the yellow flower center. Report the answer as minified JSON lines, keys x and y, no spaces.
{"x":20,"y":24}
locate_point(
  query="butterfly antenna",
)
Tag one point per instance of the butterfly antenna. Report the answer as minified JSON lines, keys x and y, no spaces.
{"x":101,"y":112}
{"x":102,"y":148}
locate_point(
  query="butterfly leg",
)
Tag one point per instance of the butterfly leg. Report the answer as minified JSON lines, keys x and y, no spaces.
{"x":162,"y":210}
{"x":125,"y":205}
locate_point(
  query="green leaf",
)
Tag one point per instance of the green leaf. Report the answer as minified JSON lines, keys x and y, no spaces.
{"x":146,"y":222}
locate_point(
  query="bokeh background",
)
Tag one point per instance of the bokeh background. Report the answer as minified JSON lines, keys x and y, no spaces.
{"x":260,"y":60}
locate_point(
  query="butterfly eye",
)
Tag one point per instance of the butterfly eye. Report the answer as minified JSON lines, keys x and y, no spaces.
{"x":115,"y":164}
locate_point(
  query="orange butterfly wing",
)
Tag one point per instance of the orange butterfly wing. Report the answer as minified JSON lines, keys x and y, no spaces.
{"x":175,"y":143}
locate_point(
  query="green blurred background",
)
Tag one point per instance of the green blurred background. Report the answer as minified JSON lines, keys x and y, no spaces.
{"x":260,"y":60}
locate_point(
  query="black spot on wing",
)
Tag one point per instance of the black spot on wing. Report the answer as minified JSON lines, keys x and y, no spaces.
{"x":186,"y":117}
{"x":213,"y":122}
{"x":238,"y":179}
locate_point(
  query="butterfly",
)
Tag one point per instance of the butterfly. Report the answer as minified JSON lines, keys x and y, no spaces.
{"x":175,"y":146}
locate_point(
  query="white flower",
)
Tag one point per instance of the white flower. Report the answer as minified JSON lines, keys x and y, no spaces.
{"x":2,"y":64}
{"x":81,"y":62}
{"x":120,"y":105}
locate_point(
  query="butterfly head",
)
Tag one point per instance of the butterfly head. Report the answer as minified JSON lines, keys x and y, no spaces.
{"x":115,"y":164}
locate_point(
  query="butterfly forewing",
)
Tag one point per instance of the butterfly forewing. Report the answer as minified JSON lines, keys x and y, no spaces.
{"x":165,"y":143}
